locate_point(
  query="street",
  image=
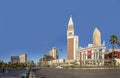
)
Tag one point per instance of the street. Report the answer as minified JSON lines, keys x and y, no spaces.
{"x":76,"y":73}
{"x":13,"y":73}
{"x":63,"y":73}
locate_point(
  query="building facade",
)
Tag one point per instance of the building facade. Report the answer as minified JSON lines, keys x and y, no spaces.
{"x":91,"y":55}
{"x":15,"y":59}
{"x":116,"y":57}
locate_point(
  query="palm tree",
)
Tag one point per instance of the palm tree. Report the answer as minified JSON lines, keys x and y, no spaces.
{"x":47,"y":58}
{"x":114,"y":40}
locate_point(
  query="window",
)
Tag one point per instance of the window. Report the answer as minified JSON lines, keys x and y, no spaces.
{"x":100,"y":55}
{"x":95,"y":54}
{"x":70,"y":33}
{"x":100,"y":50}
{"x":84,"y":55}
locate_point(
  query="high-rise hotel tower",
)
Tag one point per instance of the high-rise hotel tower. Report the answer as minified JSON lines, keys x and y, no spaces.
{"x":72,"y":42}
{"x":96,"y":37}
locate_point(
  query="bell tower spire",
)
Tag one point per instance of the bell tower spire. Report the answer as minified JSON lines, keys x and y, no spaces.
{"x":70,"y":21}
{"x":70,"y":31}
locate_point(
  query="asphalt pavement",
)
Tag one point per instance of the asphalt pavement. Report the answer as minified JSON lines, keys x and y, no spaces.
{"x":13,"y":73}
{"x":76,"y":73}
{"x":62,"y":73}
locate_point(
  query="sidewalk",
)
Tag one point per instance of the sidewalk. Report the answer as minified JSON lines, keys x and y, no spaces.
{"x":31,"y":75}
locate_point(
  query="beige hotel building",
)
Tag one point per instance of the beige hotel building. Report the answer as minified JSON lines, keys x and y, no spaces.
{"x":53,"y":53}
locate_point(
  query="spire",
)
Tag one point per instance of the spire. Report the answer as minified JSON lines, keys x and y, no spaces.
{"x":70,"y":21}
{"x":70,"y":24}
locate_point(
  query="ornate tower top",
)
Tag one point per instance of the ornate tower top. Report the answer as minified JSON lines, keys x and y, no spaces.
{"x":96,"y":37}
{"x":96,"y":31}
{"x":70,"y":21}
{"x":70,"y":25}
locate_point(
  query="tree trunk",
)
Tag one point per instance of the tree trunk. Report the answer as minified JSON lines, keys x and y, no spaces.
{"x":113,"y":55}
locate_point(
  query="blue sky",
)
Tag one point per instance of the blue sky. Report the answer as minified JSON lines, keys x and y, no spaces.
{"x":28,"y":26}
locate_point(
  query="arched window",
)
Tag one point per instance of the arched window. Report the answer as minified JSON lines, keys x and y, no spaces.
{"x":97,"y":53}
{"x":100,"y":53}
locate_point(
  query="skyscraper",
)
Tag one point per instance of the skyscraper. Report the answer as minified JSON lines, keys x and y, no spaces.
{"x":72,"y":42}
{"x":23,"y":58}
{"x":53,"y":53}
{"x":96,"y":37}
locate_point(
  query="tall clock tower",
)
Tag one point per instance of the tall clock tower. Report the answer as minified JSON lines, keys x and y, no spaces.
{"x":70,"y":40}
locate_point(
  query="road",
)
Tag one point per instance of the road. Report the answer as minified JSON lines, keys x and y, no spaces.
{"x":63,"y":73}
{"x":76,"y":73}
{"x":13,"y":73}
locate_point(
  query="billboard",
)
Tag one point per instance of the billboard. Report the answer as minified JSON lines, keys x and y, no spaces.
{"x":89,"y":54}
